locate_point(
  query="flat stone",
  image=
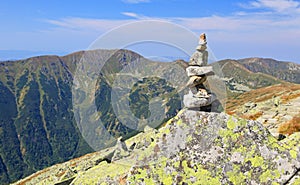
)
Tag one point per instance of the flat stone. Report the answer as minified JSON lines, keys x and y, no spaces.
{"x":199,"y":71}
{"x":190,"y":101}
{"x":196,"y":80}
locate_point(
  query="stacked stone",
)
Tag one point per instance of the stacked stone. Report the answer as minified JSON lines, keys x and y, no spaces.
{"x":199,"y":97}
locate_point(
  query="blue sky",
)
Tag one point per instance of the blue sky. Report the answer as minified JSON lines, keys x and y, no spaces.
{"x":235,"y":29}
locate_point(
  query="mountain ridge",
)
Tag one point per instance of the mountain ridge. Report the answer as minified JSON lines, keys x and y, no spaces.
{"x":40,"y":124}
{"x":287,"y":71}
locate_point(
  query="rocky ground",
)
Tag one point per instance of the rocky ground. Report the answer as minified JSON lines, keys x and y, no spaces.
{"x":275,"y":107}
{"x":192,"y":148}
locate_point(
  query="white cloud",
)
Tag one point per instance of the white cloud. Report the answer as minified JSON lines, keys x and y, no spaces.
{"x":210,"y":23}
{"x":232,"y":23}
{"x":240,"y":24}
{"x":79,"y":24}
{"x":134,"y":15}
{"x":280,"y":6}
{"x":136,"y":1}
{"x":261,"y":31}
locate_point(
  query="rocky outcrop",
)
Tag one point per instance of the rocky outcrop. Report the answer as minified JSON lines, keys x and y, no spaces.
{"x":192,"y":148}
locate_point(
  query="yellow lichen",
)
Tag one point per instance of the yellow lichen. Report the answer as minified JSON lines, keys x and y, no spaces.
{"x":266,"y":176}
{"x":231,"y":124}
{"x":225,"y":132}
{"x":204,"y":177}
{"x":275,"y":183}
{"x":293,"y":153}
{"x":242,"y":122}
{"x":297,"y":181}
{"x":269,"y":176}
{"x":236,"y":177}
{"x":257,"y":161}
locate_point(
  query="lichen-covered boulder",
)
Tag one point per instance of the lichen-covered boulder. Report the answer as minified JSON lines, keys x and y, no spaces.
{"x":210,"y":148}
{"x":207,"y":148}
{"x":201,"y":148}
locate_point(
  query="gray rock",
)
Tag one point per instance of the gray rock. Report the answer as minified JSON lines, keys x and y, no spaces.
{"x":121,"y":150}
{"x":196,"y":80}
{"x":201,"y":47}
{"x":190,"y":101}
{"x":199,"y":58}
{"x":198,"y":71}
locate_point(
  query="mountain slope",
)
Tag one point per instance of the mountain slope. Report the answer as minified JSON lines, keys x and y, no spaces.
{"x":286,"y":71}
{"x":36,"y":117}
{"x":274,"y":106}
{"x":192,"y":148}
{"x":38,"y":127}
{"x":239,"y":79}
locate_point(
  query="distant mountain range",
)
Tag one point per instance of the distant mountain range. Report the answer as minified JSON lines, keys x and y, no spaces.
{"x":287,"y":71}
{"x":22,"y":54}
{"x":37,"y":122}
{"x":253,"y":73}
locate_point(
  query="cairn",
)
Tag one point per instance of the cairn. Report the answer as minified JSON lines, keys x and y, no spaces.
{"x":199,"y":97}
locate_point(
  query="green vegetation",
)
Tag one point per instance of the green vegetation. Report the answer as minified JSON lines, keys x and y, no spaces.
{"x":37,"y":124}
{"x":239,"y":79}
{"x":286,"y":71}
